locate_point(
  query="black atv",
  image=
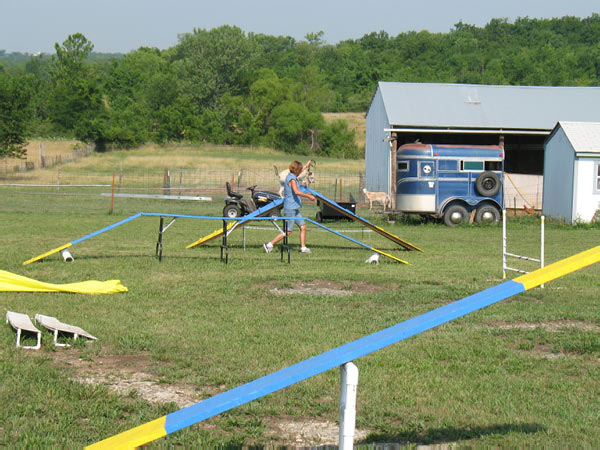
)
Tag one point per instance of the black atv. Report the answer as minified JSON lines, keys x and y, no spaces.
{"x":236,"y":205}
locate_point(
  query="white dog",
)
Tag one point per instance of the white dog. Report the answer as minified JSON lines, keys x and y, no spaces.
{"x":380,"y":197}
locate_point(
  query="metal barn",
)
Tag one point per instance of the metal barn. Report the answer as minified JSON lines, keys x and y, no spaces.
{"x":572,"y":171}
{"x":518,"y":117}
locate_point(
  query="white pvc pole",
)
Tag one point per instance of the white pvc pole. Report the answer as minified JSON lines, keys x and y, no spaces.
{"x":542,"y":245}
{"x":504,"y":244}
{"x":347,"y":411}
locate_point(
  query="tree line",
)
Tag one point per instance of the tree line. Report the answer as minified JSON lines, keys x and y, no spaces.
{"x":224,"y":86}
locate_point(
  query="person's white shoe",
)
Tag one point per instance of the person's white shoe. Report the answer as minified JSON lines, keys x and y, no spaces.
{"x":268,"y":247}
{"x":305,"y":250}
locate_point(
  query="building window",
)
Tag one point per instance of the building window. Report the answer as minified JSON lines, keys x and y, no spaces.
{"x":597,"y":177}
{"x":402,"y":166}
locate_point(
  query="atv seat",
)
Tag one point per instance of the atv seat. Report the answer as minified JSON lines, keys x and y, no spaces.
{"x":231,"y":193}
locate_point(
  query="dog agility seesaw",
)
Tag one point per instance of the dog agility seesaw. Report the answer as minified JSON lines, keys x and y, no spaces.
{"x":343,"y":355}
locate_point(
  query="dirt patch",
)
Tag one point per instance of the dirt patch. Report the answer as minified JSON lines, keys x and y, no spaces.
{"x":552,"y":326}
{"x":292,"y":432}
{"x":326,"y":287}
{"x":126,"y":373}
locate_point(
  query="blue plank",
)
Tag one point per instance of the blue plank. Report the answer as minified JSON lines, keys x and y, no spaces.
{"x":336,"y":357}
{"x":110,"y":227}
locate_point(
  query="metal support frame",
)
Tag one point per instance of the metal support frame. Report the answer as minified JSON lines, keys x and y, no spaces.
{"x":285,"y":246}
{"x":161,"y":230}
{"x":224,"y":246}
{"x":347,"y":408}
{"x":506,"y":254}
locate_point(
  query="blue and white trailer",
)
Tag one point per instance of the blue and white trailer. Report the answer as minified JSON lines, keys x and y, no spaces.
{"x":451,"y":182}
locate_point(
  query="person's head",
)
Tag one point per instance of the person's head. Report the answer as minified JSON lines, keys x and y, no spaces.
{"x":296,"y":167}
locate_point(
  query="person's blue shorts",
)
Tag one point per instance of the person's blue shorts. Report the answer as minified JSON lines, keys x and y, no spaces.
{"x":290,"y":223}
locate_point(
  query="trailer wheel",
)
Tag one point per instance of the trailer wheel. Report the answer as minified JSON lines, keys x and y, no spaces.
{"x":487,"y":214}
{"x":455,"y":215}
{"x":487,"y":184}
{"x":232,"y":211}
{"x":319,"y":217}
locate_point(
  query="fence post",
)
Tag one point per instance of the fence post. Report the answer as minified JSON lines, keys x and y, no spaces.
{"x":504,"y":244}
{"x":167,"y":182}
{"x":347,"y":410}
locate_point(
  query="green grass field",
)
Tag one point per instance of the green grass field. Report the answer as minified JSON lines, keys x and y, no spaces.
{"x":521,"y":373}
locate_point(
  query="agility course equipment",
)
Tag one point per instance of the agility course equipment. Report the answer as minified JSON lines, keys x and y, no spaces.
{"x":56,"y":326}
{"x":343,"y":355}
{"x":345,"y":212}
{"x":259,"y":214}
{"x":506,"y":254}
{"x":21,"y":322}
{"x":10,"y":282}
{"x":330,"y":203}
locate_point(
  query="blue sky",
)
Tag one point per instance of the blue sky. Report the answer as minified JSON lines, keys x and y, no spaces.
{"x":125,"y":25}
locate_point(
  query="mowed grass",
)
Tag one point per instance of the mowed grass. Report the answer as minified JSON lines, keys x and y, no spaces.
{"x":521,"y":373}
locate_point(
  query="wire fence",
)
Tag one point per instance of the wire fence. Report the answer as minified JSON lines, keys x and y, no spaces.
{"x":342,"y":186}
{"x":520,"y":191}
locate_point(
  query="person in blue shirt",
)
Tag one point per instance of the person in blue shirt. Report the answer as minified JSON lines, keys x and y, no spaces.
{"x":292,"y":202}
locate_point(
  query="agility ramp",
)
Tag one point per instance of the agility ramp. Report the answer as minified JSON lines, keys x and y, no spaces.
{"x":113,"y":226}
{"x":392,"y":237}
{"x":341,"y":355}
{"x":260,"y":212}
{"x":362,"y":244}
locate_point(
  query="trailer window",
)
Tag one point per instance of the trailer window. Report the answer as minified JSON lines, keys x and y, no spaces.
{"x":402,"y":166}
{"x":447,"y":164}
{"x":471,"y":165}
{"x":493,"y":165}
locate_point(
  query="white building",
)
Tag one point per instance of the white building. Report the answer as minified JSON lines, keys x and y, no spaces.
{"x":572,"y":171}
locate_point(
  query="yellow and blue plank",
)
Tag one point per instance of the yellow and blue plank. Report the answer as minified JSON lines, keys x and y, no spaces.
{"x":77,"y":241}
{"x":386,"y":234}
{"x":356,"y":241}
{"x":262,"y":211}
{"x":333,"y":358}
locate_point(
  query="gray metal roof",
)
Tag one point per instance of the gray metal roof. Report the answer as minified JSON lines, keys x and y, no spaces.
{"x":583,"y":136}
{"x":473,"y":106}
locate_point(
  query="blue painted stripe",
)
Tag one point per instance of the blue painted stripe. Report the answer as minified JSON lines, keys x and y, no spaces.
{"x":348,"y":212}
{"x":338,"y":233}
{"x":110,"y":227}
{"x":336,"y":357}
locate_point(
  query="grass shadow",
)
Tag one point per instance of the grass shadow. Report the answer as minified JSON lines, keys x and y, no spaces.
{"x":449,"y":434}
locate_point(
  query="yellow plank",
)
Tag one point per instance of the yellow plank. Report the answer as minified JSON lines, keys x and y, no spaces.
{"x":391,"y":256}
{"x":42,"y":256}
{"x":135,"y":437}
{"x":214,"y":234}
{"x":560,"y":268}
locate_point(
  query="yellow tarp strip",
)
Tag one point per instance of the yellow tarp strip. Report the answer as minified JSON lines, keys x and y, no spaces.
{"x":10,"y":282}
{"x":135,"y":437}
{"x":560,"y":268}
{"x":42,"y":256}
